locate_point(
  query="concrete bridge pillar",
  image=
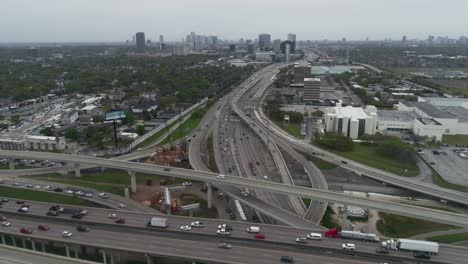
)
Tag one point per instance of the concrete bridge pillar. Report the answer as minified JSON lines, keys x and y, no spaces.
{"x":67,"y":250}
{"x":3,"y":240}
{"x":149,"y":259}
{"x":76,"y":166}
{"x":13,"y":239}
{"x":23,"y":241}
{"x":12,"y":164}
{"x":76,"y":253}
{"x":104,"y":257}
{"x":111,"y":258}
{"x":209,"y":195}
{"x":43,"y":246}
{"x":33,"y":245}
{"x":133,"y":181}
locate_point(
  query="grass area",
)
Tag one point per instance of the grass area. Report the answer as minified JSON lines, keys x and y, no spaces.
{"x":455,"y":139}
{"x":307,"y":202}
{"x":392,"y":225}
{"x":211,"y":156}
{"x":327,"y":220}
{"x":322,"y":164}
{"x":293,"y":129}
{"x":155,"y":136}
{"x":185,"y":128}
{"x":450,"y":238}
{"x":366,"y":154}
{"x":17,"y":167}
{"x":111,"y":181}
{"x":455,"y":87}
{"x":41,"y":196}
{"x":437,"y":179}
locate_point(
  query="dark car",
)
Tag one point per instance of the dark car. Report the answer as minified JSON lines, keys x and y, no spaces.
{"x":167,"y":169}
{"x":120,"y":221}
{"x":58,"y":190}
{"x":3,"y":218}
{"x":422,"y":255}
{"x":19,"y":202}
{"x":43,"y":227}
{"x":52,"y":213}
{"x":5,"y":200}
{"x":82,"y":228}
{"x":287,"y":259}
{"x":77,"y":216}
{"x":381,"y":250}
{"x":26,"y":230}
{"x":344,"y":162}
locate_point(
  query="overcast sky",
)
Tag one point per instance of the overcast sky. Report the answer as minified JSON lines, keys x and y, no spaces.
{"x":118,"y":20}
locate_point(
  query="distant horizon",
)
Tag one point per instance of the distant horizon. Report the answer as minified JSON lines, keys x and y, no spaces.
{"x":77,"y":21}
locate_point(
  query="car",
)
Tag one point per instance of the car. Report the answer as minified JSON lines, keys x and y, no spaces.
{"x":224,"y":245}
{"x":223,"y":232}
{"x":43,"y":227}
{"x":19,"y":202}
{"x":16,"y":184}
{"x":5,"y":200}
{"x":2,"y":181}
{"x":220,"y":176}
{"x":348,"y":246}
{"x":26,"y":230}
{"x":185,"y":228}
{"x":69,"y":192}
{"x":89,"y":195}
{"x":48,"y":188}
{"x":422,"y":255}
{"x":302,"y":240}
{"x":67,"y":234}
{"x":314,"y":236}
{"x":121,"y":205}
{"x":344,"y":162}
{"x":187,"y":183}
{"x":37,"y":187}
{"x":5,"y":223}
{"x":224,"y":226}
{"x":112,"y":216}
{"x":82,"y":228}
{"x":23,"y":209}
{"x":381,"y":250}
{"x":58,"y":189}
{"x":245,"y":194}
{"x":197,"y":224}
{"x":28,"y":185}
{"x":287,"y":259}
{"x":79,"y":193}
{"x":167,"y":169}
{"x":77,"y":216}
{"x":265,"y":178}
{"x":120,"y":221}
{"x":259,"y":236}
{"x":52,"y":213}
{"x":103,"y":195}
{"x":3,"y":218}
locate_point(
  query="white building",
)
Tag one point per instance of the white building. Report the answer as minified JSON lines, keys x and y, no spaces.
{"x":69,"y":117}
{"x":351,"y":121}
{"x":89,"y":110}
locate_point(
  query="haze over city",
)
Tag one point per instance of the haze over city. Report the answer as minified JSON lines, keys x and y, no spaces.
{"x":117,"y":20}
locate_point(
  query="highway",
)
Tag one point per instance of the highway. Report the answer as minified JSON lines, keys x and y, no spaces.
{"x":133,"y":236}
{"x":15,"y":255}
{"x":402,"y":209}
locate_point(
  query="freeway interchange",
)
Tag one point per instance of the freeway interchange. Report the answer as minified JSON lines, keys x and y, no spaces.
{"x":277,"y":197}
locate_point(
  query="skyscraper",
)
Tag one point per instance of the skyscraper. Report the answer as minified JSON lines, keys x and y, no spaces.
{"x":161,"y":42}
{"x":193,"y":39}
{"x":292,"y":46}
{"x":140,"y":42}
{"x":277,"y":45}
{"x":292,"y":37}
{"x":250,"y":46}
{"x":287,"y":53}
{"x":264,"y":41}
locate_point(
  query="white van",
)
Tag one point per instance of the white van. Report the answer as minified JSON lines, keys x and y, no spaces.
{"x":314,"y":236}
{"x":253,"y":229}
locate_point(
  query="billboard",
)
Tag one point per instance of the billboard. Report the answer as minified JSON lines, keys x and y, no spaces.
{"x":115,"y":115}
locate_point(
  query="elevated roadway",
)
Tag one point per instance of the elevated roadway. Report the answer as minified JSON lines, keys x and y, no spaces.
{"x":199,"y":244}
{"x":15,"y":255}
{"x":408,"y":210}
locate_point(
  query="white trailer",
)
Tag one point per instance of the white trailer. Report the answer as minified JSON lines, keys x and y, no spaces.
{"x":359,"y":235}
{"x":412,"y":245}
{"x":158,"y":222}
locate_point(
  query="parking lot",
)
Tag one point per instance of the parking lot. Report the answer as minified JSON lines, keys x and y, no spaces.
{"x":448,"y":164}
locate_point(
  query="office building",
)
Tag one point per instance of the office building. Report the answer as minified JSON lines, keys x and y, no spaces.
{"x":161,"y":42}
{"x":277,"y":45}
{"x":264,"y":41}
{"x":232,"y":48}
{"x":300,"y":72}
{"x":312,"y":90}
{"x":292,"y":46}
{"x":287,"y":53}
{"x":179,"y":50}
{"x":140,"y":42}
{"x":292,"y":37}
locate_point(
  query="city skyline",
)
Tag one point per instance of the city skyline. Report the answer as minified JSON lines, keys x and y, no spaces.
{"x":91,"y":21}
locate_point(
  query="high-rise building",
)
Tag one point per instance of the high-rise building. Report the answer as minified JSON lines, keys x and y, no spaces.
{"x":140,"y":42}
{"x":292,"y":46}
{"x":161,"y":42}
{"x":277,"y":45}
{"x":250,"y":46}
{"x":264,"y":41}
{"x":403,"y":39}
{"x":287,"y":53}
{"x":292,"y":37}
{"x":193,"y":39}
{"x":232,"y":48}
{"x":301,"y":71}
{"x":311,"y":89}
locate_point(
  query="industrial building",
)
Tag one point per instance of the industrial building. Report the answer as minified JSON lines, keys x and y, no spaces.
{"x":351,"y":121}
{"x":311,"y":90}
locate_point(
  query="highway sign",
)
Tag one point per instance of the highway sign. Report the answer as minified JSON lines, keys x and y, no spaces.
{"x":114,"y":115}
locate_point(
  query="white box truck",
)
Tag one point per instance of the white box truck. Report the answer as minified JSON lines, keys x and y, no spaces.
{"x":160,"y":222}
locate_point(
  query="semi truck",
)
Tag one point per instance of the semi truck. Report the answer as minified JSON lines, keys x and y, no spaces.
{"x":334,"y":233}
{"x":160,"y":222}
{"x":412,"y":245}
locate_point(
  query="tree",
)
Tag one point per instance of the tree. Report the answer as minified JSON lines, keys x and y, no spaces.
{"x":129,"y":118}
{"x":47,"y":132}
{"x":336,"y":141}
{"x":397,"y":149}
{"x":72,"y":134}
{"x":141,"y":130}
